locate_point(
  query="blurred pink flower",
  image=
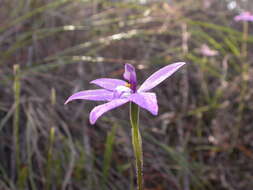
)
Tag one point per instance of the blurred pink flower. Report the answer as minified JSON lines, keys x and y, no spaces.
{"x":244,"y":16}
{"x":207,"y":51}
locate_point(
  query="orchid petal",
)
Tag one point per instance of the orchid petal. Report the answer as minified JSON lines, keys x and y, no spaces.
{"x":108,"y":83}
{"x":130,"y":75}
{"x":95,"y":95}
{"x":146,"y":100}
{"x":159,"y":76}
{"x":101,"y":109}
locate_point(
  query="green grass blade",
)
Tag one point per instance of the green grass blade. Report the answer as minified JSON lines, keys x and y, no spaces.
{"x":16,"y":91}
{"x":108,"y":154}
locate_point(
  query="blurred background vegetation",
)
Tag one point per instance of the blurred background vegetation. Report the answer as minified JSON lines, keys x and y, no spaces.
{"x":49,"y":49}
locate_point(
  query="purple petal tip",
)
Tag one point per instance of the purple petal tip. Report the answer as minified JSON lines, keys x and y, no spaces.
{"x":67,"y":101}
{"x":92,"y":122}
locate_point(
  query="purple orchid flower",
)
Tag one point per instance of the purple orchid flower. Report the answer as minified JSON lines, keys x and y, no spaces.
{"x":245,"y":16}
{"x":117,"y":92}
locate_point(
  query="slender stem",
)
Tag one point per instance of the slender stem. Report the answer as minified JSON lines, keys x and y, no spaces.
{"x":137,"y":143}
{"x":244,"y":82}
{"x":245,"y":38}
{"x":16,"y":89}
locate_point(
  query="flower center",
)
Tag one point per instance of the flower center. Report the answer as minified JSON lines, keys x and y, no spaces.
{"x":122,"y":92}
{"x":132,"y":86}
{"x":128,"y":85}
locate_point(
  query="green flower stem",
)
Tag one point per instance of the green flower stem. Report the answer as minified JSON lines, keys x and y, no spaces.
{"x":245,"y":38}
{"x":137,"y":143}
{"x":244,"y":82}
